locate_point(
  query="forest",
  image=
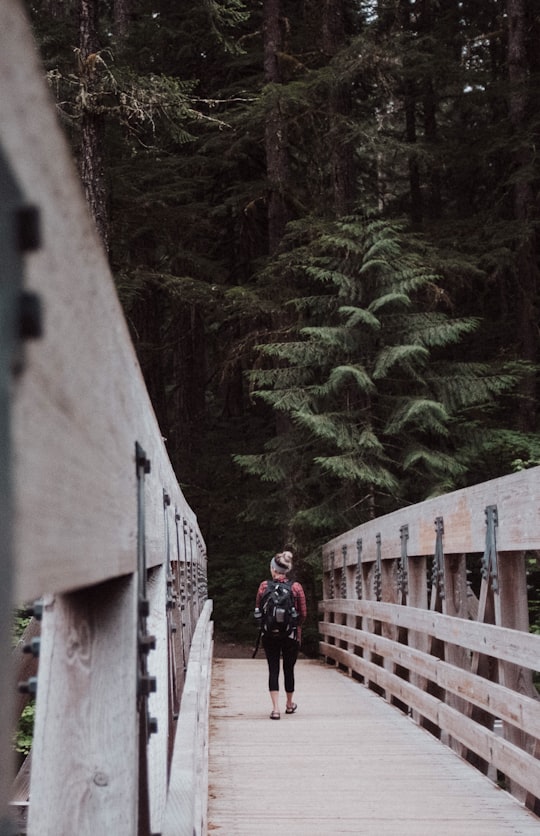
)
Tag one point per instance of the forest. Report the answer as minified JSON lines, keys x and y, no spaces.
{"x":322,"y":217}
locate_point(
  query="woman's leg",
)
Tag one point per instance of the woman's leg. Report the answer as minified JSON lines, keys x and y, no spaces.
{"x":272,"y":650}
{"x":290,"y":655}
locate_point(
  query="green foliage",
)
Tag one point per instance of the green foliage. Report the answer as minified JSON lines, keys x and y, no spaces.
{"x":372,"y":360}
{"x":25,"y":730}
{"x":375,"y":406}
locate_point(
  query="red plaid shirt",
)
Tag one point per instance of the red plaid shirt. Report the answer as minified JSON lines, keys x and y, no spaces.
{"x":299,"y":601}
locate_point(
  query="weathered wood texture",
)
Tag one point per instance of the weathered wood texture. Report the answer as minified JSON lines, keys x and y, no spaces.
{"x":186,"y":810}
{"x":517,"y":498}
{"x":443,"y":689}
{"x":81,"y":403}
{"x":85,"y":743}
{"x":346,"y":762}
{"x":464,"y":672}
{"x":79,"y":408}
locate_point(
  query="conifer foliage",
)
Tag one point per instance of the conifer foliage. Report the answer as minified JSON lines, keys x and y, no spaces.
{"x":322,"y":221}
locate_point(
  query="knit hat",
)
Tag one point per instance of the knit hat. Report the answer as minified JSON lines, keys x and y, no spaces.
{"x":281,"y":563}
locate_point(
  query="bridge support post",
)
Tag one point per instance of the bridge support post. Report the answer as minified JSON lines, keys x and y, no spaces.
{"x":512,"y":611}
{"x":84,"y":774}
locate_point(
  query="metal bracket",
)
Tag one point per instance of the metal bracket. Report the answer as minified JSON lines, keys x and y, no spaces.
{"x":377,"y":580}
{"x":146,"y":684}
{"x":490,"y":567}
{"x":403,"y":567}
{"x":344,"y":572}
{"x":359,"y":589}
{"x":437,"y":574}
{"x":332,"y":589}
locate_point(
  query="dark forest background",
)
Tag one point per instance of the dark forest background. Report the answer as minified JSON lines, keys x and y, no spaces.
{"x":323,"y":221}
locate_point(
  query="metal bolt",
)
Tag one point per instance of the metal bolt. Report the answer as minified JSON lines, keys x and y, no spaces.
{"x":33,"y":647}
{"x":28,"y":228}
{"x":147,"y":643}
{"x":147,"y":685}
{"x":152,"y":725}
{"x":30,"y":316}
{"x":36,"y":610}
{"x":29,"y":687}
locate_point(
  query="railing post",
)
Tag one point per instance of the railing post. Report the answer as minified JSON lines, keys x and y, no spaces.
{"x":455,"y":604}
{"x":19,"y":318}
{"x":513,"y":612}
{"x":85,"y":749}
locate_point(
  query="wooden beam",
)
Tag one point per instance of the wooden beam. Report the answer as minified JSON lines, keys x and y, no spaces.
{"x":185,"y":814}
{"x":500,"y":642}
{"x":84,"y":771}
{"x":516,"y":496}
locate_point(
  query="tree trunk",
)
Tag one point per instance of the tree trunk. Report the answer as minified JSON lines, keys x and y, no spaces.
{"x":430,"y":118}
{"x":92,"y":124}
{"x":342,"y":155}
{"x":524,"y":204}
{"x":277,"y":155}
{"x":409,"y":104}
{"x":122,"y":15}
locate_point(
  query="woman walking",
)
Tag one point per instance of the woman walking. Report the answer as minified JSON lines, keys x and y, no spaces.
{"x":281,"y":641}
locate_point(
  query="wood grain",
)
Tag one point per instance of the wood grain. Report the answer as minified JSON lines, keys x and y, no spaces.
{"x":516,"y":496}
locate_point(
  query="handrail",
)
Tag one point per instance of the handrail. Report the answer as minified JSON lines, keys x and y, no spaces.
{"x":399,"y":613}
{"x":107,"y":552}
{"x":187,"y":800}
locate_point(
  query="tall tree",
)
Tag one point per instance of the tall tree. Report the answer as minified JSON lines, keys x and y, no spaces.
{"x":519,"y":14}
{"x":276,"y":134}
{"x":91,"y":157}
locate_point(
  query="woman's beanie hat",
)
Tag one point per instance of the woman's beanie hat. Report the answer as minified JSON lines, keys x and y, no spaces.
{"x":282,"y":563}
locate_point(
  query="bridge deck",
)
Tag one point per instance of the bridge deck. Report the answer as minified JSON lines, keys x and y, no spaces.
{"x":346,"y":762}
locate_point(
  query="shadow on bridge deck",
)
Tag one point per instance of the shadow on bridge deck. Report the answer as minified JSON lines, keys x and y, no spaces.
{"x":346,"y":762}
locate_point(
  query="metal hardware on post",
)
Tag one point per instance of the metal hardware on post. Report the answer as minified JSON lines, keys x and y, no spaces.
{"x":359,"y":568}
{"x":490,"y":567}
{"x":378,"y":569}
{"x":29,"y":687}
{"x":146,"y":684}
{"x":171,"y":595}
{"x":403,"y":571}
{"x":437,"y":574}
{"x":332,"y":589}
{"x":344,"y":572}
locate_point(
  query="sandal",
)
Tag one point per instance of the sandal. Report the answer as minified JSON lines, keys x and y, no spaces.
{"x":274,"y":715}
{"x":292,"y":709}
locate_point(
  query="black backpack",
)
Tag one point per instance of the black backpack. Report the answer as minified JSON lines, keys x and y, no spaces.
{"x":279,"y":616}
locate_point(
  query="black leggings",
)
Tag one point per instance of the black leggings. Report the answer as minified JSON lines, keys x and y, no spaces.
{"x":274,"y":649}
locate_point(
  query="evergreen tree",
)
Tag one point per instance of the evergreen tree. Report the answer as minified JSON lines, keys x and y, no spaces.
{"x":380,"y":415}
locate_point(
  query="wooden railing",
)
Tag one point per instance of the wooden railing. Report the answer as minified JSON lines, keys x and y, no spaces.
{"x":97,"y":535}
{"x":400,"y":613}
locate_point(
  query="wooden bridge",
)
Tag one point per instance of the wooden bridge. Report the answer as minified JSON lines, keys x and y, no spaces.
{"x":422,"y":711}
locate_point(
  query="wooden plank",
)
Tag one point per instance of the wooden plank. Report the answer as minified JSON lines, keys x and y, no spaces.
{"x":85,"y":753}
{"x":517,"y":497}
{"x":82,"y":403}
{"x":521,"y":711}
{"x":365,"y":768}
{"x":185,"y":813}
{"x":514,"y":762}
{"x":500,"y":642}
